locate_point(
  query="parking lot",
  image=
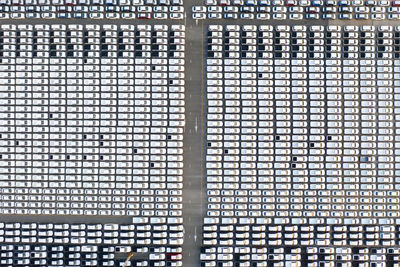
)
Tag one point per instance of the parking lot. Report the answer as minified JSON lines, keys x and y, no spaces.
{"x":92,"y":125}
{"x":292,"y":139}
{"x":253,"y":137}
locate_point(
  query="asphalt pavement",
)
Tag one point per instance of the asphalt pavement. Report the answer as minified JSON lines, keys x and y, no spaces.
{"x":194,"y":192}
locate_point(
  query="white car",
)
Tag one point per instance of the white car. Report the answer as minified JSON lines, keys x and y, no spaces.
{"x":200,"y":9}
{"x":214,"y":15}
{"x":144,"y":16}
{"x":176,"y":9}
{"x":231,"y":9}
{"x":230,"y":16}
{"x":176,"y":15}
{"x":160,"y":16}
{"x":366,"y":16}
{"x":160,"y":9}
{"x":128,"y":15}
{"x":247,"y":16}
{"x":279,"y":16}
{"x":296,"y":16}
{"x":145,"y":9}
{"x":216,"y":9}
{"x":46,"y":15}
{"x":224,"y":2}
{"x":305,"y":2}
{"x":393,"y":16}
{"x":378,"y":16}
{"x":384,"y":3}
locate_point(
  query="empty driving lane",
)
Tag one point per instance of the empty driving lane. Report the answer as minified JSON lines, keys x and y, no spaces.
{"x":193,"y":138}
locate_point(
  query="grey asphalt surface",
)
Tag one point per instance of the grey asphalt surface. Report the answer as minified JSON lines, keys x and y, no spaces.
{"x":194,"y":192}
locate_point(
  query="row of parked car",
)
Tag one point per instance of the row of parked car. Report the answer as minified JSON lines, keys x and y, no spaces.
{"x":305,"y":3}
{"x":297,"y":10}
{"x":87,"y":255}
{"x":91,"y":2}
{"x":286,"y":255}
{"x":91,"y":12}
{"x":315,"y":44}
{"x":91,"y":9}
{"x":139,"y":232}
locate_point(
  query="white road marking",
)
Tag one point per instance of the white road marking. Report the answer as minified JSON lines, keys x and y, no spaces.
{"x":195,"y":233}
{"x":195,"y":126}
